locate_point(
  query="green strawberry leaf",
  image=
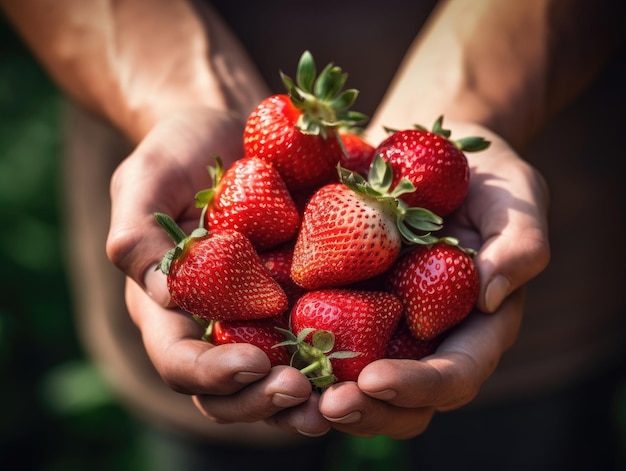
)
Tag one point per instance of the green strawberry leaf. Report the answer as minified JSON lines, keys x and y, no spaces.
{"x":204,"y":197}
{"x":348,"y":118}
{"x":412,"y":238}
{"x":466,"y":144}
{"x":422,"y":219}
{"x":472,"y":144}
{"x":344,"y":354}
{"x":345,"y":100}
{"x":305,"y":73}
{"x":323,"y":340}
{"x":289,"y":84}
{"x":403,"y":186}
{"x":323,"y":103}
{"x":439,"y":129}
{"x":330,"y":82}
{"x":170,"y":226}
{"x":323,"y":381}
{"x":380,"y":175}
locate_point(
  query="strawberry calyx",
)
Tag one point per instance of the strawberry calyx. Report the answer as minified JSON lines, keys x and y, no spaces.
{"x":179,"y":237}
{"x":204,"y":198}
{"x":313,"y":359}
{"x":465,"y":144}
{"x":454,"y":242}
{"x":321,"y":98}
{"x":378,"y":186}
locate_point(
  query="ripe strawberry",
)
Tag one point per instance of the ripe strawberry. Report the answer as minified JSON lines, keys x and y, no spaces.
{"x":250,"y":197}
{"x":261,"y":333}
{"x":219,"y":275}
{"x":278,"y":264}
{"x":435,"y":165}
{"x":296,"y":131}
{"x":404,"y":345}
{"x":353,"y":231}
{"x":438,"y":286}
{"x":348,"y":329}
{"x":357,"y":153}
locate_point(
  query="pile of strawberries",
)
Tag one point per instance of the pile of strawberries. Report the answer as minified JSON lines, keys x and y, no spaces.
{"x":318,"y":247}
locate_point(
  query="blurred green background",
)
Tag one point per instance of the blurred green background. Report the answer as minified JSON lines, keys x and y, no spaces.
{"x":56,"y":412}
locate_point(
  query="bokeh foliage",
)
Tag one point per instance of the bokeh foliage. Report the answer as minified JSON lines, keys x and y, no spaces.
{"x":56,"y":411}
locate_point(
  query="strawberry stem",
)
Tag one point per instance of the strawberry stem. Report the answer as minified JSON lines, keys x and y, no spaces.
{"x":311,"y":367}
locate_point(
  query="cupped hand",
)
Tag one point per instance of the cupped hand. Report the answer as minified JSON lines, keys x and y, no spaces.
{"x":232,"y":383}
{"x":398,"y":398}
{"x":163,"y":174}
{"x":503,"y":217}
{"x":229,"y":383}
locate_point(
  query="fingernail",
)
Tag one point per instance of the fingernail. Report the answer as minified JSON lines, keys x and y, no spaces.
{"x":247,"y":377}
{"x":497,"y":290}
{"x":351,"y":418}
{"x":285,"y":400}
{"x":384,"y":395}
{"x":156,"y":286}
{"x":313,"y":435}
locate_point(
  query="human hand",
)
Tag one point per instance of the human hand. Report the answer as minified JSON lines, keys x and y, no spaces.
{"x":162,"y":175}
{"x":231,"y":383}
{"x":504,"y":216}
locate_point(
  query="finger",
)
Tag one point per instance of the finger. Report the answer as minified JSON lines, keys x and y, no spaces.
{"x":282,"y":388}
{"x":351,"y":411}
{"x":163,"y":174}
{"x":149,"y":180}
{"x":510,"y":212}
{"x":453,"y":376}
{"x":186,"y":363}
{"x":304,"y":419}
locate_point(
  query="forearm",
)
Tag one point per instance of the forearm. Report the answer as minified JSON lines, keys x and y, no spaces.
{"x":505,"y":65}
{"x":133,"y":62}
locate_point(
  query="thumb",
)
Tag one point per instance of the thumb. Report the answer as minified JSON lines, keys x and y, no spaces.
{"x":506,"y":261}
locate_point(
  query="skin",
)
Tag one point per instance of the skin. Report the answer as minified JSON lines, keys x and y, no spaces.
{"x":501,"y":78}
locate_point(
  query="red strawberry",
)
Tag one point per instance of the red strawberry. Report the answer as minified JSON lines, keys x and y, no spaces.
{"x":438,"y":286}
{"x":250,"y":197}
{"x":353,"y":231}
{"x":259,"y":332}
{"x":348,"y":329}
{"x":219,"y":275}
{"x":435,"y":165}
{"x":278,"y":263}
{"x":358,"y":153}
{"x":296,"y":132}
{"x":404,"y":345}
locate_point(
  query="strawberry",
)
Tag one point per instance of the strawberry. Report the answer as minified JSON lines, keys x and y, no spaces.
{"x":353,"y":230}
{"x":296,"y":132}
{"x":261,"y":333}
{"x":438,"y":285}
{"x":250,"y":197}
{"x":404,"y":345}
{"x":436,"y":165}
{"x":218,"y":275}
{"x":278,"y":264}
{"x":357,"y":153}
{"x":347,"y":330}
